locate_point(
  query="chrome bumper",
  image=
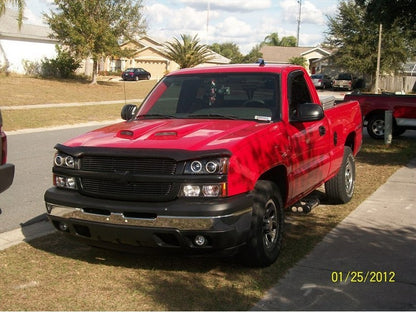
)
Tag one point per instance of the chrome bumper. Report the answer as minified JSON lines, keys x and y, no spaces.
{"x":174,"y":222}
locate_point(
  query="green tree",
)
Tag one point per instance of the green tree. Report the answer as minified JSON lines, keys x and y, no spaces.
{"x":94,"y":28}
{"x":254,"y":55}
{"x":20,"y":4}
{"x":229,"y":50}
{"x":188,"y":52}
{"x":356,"y":42}
{"x":392,"y":14}
{"x":273,"y":40}
{"x":289,"y":41}
{"x":298,"y":60}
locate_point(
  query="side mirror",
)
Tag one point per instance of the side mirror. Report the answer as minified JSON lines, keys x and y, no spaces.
{"x":128,"y":111}
{"x":308,"y":112}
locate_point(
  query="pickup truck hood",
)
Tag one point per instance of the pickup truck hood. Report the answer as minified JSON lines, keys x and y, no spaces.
{"x":189,"y":134}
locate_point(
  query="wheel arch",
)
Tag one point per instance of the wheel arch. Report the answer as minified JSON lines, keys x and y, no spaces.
{"x":278,"y":175}
{"x":350,"y":142}
{"x":373,"y":113}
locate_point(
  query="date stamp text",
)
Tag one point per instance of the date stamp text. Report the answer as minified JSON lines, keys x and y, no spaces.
{"x":363,"y":277}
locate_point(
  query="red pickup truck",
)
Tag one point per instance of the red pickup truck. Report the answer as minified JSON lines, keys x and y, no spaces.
{"x":6,"y":170}
{"x":374,"y":106}
{"x":207,"y":164}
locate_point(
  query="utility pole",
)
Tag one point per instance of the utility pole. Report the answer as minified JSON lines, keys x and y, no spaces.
{"x":208,"y":9}
{"x":378,"y":58}
{"x":299,"y":19}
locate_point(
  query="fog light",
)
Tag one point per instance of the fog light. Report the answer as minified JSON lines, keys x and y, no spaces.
{"x":63,"y":227}
{"x":200,"y":240}
{"x":191,"y":190}
{"x":71,"y":183}
{"x":60,"y":181}
{"x":211,"y":190}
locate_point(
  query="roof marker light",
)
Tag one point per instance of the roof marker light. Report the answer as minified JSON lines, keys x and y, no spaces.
{"x":261,"y":62}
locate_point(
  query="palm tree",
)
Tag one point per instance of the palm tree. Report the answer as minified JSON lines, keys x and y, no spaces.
{"x":189,"y":52}
{"x":20,"y":8}
{"x":272,"y":39}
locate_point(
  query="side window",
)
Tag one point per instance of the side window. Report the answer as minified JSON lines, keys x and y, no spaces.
{"x":298,"y":92}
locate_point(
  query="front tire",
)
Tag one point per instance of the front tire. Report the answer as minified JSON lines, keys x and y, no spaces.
{"x":265,"y":241}
{"x":340,"y":188}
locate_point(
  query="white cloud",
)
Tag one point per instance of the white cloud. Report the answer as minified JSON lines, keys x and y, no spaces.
{"x":310,"y":14}
{"x":243,"y":22}
{"x":232,"y":27}
{"x":229,"y":5}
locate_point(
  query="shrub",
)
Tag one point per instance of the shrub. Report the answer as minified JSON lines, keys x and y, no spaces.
{"x":63,"y":66}
{"x":31,"y":68}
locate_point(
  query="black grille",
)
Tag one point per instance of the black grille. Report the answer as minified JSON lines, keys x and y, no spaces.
{"x":163,"y":166}
{"x":124,"y":190}
{"x":143,"y":191}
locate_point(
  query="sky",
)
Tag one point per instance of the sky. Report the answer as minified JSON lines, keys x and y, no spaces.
{"x":244,"y":22}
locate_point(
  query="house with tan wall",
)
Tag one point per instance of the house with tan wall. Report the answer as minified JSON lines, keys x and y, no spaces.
{"x":148,"y":53}
{"x":282,"y":55}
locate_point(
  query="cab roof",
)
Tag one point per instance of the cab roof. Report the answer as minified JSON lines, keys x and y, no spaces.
{"x":238,"y":68}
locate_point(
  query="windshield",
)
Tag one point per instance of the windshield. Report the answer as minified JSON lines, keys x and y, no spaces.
{"x":233,"y":96}
{"x":343,"y":77}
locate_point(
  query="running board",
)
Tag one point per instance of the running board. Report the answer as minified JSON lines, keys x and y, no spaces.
{"x":305,"y":205}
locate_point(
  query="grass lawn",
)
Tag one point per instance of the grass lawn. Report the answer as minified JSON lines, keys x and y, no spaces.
{"x":21,"y":90}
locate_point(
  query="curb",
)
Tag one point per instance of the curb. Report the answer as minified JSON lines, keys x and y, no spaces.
{"x":25,"y":234}
{"x":37,"y":106}
{"x":53,"y":128}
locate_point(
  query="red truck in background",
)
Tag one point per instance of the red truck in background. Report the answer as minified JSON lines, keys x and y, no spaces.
{"x":207,"y":164}
{"x":374,"y":106}
{"x":6,"y":170}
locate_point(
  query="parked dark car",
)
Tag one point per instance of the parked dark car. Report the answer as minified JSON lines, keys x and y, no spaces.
{"x":321,"y":81}
{"x":135,"y":74}
{"x":344,"y":81}
{"x":6,"y":170}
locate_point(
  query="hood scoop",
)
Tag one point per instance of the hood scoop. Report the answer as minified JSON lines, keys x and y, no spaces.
{"x":162,"y":135}
{"x":126,"y":134}
{"x":165,"y":135}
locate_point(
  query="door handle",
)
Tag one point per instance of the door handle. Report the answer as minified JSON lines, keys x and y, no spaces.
{"x":322,"y":130}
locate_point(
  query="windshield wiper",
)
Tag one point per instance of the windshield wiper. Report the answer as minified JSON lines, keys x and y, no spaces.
{"x":217,"y":116}
{"x":156,"y":116}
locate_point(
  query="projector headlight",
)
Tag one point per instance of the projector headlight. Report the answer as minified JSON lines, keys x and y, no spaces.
{"x":207,"y":166}
{"x":66,"y":161}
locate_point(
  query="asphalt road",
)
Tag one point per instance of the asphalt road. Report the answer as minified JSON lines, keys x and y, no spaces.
{"x":32,"y":154}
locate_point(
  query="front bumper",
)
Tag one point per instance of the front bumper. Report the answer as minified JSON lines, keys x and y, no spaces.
{"x":6,"y":176}
{"x":224,"y":223}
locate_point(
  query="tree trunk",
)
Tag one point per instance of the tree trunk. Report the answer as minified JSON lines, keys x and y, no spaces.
{"x":94,"y":71}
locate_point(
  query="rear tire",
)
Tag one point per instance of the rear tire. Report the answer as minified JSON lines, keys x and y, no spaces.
{"x":265,"y":241}
{"x":375,"y":126}
{"x":340,"y":188}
